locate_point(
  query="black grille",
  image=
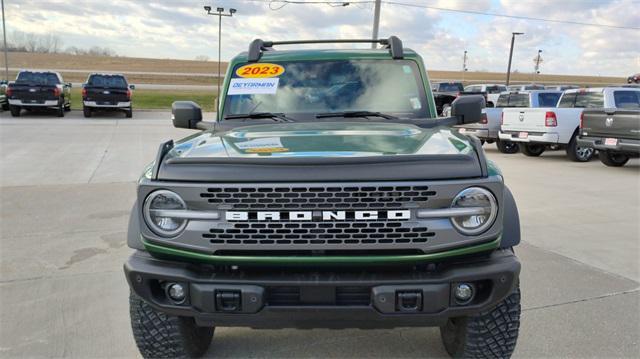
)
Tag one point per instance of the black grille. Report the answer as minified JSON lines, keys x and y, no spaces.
{"x":344,"y":232}
{"x":344,"y":296}
{"x":321,"y":197}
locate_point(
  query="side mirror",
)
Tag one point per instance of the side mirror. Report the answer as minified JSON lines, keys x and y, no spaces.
{"x":468,"y":109}
{"x":186,"y":114}
{"x":132,"y":87}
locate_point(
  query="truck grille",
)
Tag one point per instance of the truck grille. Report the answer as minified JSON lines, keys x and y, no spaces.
{"x":320,"y":197}
{"x":344,"y":232}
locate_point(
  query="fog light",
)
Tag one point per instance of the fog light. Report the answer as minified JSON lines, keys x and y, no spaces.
{"x":176,"y":292}
{"x":463,"y":292}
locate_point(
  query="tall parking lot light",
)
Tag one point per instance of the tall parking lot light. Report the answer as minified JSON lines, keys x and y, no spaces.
{"x":513,"y":37}
{"x":6,"y":57}
{"x":219,"y":13}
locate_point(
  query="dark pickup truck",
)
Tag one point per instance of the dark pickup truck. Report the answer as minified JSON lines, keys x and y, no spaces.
{"x":444,"y":93}
{"x":39,"y":90}
{"x":106,"y":92}
{"x":615,"y":133}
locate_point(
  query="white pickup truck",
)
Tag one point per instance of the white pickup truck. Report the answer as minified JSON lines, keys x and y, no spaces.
{"x":492,"y":91}
{"x":487,"y":129}
{"x":537,"y":129}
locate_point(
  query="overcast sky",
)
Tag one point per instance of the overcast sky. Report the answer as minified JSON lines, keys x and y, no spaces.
{"x":181,"y":30}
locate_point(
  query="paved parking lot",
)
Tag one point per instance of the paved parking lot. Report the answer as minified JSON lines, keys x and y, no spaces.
{"x":67,"y":185}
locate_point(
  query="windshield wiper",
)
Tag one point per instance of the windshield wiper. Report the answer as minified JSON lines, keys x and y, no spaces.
{"x":351,"y":114}
{"x":257,"y":115}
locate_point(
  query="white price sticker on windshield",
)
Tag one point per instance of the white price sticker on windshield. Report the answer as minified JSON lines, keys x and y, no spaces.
{"x":253,"y":86}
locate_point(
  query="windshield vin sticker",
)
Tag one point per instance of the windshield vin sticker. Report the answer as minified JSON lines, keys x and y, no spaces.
{"x":264,"y":86}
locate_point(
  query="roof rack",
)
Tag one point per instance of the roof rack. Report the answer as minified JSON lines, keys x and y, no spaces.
{"x":257,"y":46}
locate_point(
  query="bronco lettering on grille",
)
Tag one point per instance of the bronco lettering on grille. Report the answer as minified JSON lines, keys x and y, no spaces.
{"x":316,"y":215}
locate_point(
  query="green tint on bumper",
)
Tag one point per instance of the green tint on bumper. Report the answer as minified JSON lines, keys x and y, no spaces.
{"x":275,"y":260}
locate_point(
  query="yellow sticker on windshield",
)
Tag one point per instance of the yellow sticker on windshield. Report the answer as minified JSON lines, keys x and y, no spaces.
{"x":260,"y":70}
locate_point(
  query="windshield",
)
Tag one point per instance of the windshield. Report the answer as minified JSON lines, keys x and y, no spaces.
{"x":311,"y":87}
{"x":107,"y":81}
{"x":513,"y":100}
{"x":450,"y":87}
{"x":38,"y":78}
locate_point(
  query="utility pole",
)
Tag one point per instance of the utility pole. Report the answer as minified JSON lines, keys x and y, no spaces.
{"x":6,"y":56}
{"x":513,"y":37}
{"x":537,"y":61}
{"x":376,"y":22}
{"x":219,"y":13}
{"x":464,"y":64}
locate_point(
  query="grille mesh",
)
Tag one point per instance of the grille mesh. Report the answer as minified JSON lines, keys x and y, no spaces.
{"x":325,"y":197}
{"x":346,"y":232}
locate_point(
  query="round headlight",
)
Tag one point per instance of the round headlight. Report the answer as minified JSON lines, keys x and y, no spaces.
{"x":156,"y":207}
{"x":485,"y":206}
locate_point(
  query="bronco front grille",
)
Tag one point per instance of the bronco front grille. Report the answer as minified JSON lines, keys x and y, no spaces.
{"x":345,"y":232}
{"x":317,"y":197}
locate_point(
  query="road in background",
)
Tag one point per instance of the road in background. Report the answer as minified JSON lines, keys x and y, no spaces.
{"x":67,"y":186}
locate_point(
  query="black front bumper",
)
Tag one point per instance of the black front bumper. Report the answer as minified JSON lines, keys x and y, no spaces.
{"x":341,"y":298}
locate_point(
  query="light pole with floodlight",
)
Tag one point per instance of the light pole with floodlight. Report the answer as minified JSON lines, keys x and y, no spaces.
{"x":219,"y":13}
{"x":513,"y":37}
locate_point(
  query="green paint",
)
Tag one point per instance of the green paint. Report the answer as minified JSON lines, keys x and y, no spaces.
{"x":320,"y":260}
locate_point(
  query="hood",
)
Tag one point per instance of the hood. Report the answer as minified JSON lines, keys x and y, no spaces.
{"x":325,"y":152}
{"x":336,"y":139}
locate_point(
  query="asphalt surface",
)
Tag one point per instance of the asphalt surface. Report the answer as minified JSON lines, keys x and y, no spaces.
{"x":67,"y":186}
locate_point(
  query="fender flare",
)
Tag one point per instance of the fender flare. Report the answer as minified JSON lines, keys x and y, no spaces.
{"x":511,"y":221}
{"x":133,"y":233}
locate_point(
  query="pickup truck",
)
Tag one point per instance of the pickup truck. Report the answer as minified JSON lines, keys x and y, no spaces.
{"x":487,"y":129}
{"x":615,"y":133}
{"x":526,"y":87}
{"x":318,"y":198}
{"x":106,"y":92}
{"x":537,"y":129}
{"x":492,"y":91}
{"x":4,"y":103}
{"x":444,"y":93}
{"x":39,"y":90}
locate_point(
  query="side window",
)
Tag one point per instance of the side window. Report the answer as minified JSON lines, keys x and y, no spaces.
{"x":590,"y":100}
{"x":568,"y":100}
{"x":503,"y":100}
{"x":627,"y":99}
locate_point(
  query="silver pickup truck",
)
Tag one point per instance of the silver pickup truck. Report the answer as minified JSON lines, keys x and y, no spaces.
{"x":487,"y":130}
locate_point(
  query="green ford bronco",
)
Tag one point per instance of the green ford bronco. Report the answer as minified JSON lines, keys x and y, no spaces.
{"x":326,"y":194}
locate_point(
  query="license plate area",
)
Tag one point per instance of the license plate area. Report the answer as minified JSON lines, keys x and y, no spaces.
{"x":523,"y":135}
{"x":610,"y":141}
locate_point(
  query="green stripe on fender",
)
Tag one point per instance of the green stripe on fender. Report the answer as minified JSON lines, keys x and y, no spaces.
{"x":380,"y":259}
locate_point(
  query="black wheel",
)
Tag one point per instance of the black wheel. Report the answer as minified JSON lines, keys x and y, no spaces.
{"x":86,"y":111}
{"x":578,"y":153}
{"x":15,"y":110}
{"x":490,"y":334}
{"x":507,"y":146}
{"x":532,"y":149}
{"x":5,"y":107}
{"x":60,"y":110}
{"x":129,"y":112}
{"x":613,"y":159}
{"x":159,"y":335}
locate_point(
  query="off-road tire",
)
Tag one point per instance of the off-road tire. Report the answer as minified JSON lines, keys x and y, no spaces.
{"x":15,"y":110}
{"x":490,"y":334}
{"x":129,"y":112}
{"x":577,"y":153}
{"x":532,"y":149}
{"x":159,"y":335}
{"x":507,"y":147}
{"x":613,"y":159}
{"x":86,"y":111}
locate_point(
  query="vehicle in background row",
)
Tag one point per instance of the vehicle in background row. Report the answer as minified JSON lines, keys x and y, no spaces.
{"x":488,"y":129}
{"x":39,"y":90}
{"x":634,"y":79}
{"x":526,"y":87}
{"x":320,"y":198}
{"x":492,"y":91}
{"x":561,"y":87}
{"x":4,"y":103}
{"x":615,"y":133}
{"x":539,"y":128}
{"x":106,"y":92}
{"x":444,"y":93}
